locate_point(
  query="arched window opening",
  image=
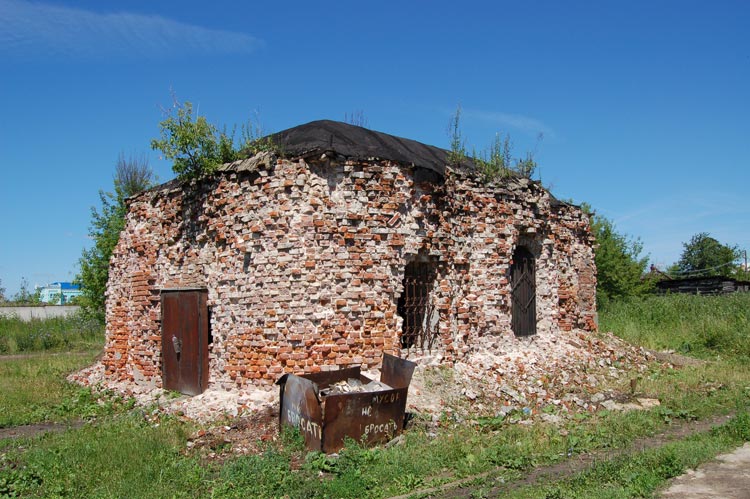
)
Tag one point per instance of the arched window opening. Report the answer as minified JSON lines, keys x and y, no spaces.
{"x":523,"y":292}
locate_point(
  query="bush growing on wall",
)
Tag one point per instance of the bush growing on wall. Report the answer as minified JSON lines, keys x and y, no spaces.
{"x":492,"y":163}
{"x":197,"y":147}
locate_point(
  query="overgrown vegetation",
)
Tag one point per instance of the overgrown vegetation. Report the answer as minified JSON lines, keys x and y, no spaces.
{"x":494,"y":162}
{"x":132,"y":175}
{"x":33,"y":389}
{"x":701,"y":326}
{"x":197,"y":147}
{"x":98,"y":459}
{"x":76,"y":332}
{"x":620,"y":267}
{"x":25,"y":295}
{"x":121,"y":457}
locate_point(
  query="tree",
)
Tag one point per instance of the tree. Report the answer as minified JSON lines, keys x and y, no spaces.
{"x":132,"y":176}
{"x":620,"y":268}
{"x":197,"y":148}
{"x":704,"y":255}
{"x":191,"y":142}
{"x":2,"y":292}
{"x":25,"y":295}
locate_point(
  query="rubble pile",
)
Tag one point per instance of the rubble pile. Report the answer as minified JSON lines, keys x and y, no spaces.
{"x":573,"y":372}
{"x":353,"y":385}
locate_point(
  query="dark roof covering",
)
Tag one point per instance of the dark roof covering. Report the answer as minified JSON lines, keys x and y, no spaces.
{"x":318,"y":137}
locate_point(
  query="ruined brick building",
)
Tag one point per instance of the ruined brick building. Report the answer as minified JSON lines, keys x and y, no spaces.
{"x":347,"y":244}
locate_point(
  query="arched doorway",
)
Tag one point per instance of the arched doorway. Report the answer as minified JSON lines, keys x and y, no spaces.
{"x":523,"y":292}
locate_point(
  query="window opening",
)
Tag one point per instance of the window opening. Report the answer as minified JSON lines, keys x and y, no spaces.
{"x":523,"y":292}
{"x":416,"y":308}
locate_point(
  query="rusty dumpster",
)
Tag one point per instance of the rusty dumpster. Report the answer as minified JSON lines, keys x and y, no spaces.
{"x":329,"y":406}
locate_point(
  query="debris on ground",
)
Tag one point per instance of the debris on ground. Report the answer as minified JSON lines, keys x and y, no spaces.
{"x":544,"y":377}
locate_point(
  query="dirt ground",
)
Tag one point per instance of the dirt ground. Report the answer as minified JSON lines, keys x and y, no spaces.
{"x":33,"y":430}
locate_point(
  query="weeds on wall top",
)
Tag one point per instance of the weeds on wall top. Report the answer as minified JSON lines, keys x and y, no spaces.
{"x":198,"y":148}
{"x":492,"y":163}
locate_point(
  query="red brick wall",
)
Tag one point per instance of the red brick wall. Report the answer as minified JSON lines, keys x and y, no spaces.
{"x":304,"y":265}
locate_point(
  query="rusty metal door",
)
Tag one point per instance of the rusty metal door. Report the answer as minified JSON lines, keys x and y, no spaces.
{"x":523,"y":292}
{"x":184,"y":340}
{"x":419,"y":327}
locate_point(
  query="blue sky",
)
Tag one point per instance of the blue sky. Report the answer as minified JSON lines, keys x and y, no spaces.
{"x":643,"y":106}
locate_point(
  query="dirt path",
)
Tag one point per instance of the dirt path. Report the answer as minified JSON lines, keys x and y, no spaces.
{"x":570,"y":466}
{"x":33,"y":430}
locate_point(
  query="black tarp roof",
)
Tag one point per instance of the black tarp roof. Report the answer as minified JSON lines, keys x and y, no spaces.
{"x":351,"y":141}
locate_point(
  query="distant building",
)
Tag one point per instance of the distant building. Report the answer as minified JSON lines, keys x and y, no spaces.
{"x":59,"y":293}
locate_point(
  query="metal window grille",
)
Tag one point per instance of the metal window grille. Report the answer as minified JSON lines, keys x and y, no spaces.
{"x":417,"y":309}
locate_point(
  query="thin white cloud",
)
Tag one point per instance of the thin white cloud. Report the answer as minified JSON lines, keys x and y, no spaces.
{"x":41,"y":29}
{"x":665,"y":224}
{"x":517,"y":121}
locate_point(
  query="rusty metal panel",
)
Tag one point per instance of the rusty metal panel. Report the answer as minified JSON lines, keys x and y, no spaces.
{"x":396,"y":372}
{"x":300,"y":408}
{"x":184,"y":342}
{"x":368,"y":417}
{"x":326,"y":420}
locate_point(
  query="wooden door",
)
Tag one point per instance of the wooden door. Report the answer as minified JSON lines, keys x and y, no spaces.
{"x":523,"y":294}
{"x":184,"y":341}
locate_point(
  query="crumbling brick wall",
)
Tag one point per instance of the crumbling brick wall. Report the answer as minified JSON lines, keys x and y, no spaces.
{"x":304,"y":263}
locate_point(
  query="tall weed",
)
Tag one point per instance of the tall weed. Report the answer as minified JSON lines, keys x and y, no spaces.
{"x":700,"y":326}
{"x":55,"y":333}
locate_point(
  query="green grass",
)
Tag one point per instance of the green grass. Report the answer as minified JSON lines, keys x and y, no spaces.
{"x":129,"y":456}
{"x":33,"y":389}
{"x":124,"y":456}
{"x":57,"y":334}
{"x":641,"y":474}
{"x":700,"y":326}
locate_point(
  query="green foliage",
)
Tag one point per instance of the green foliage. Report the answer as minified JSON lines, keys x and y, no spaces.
{"x":132,"y":175}
{"x":33,"y":389}
{"x":54,"y":333}
{"x":25,"y":295}
{"x":457,"y":152}
{"x":497,"y":162}
{"x":703,"y":255}
{"x":620,"y":268}
{"x":123,"y":457}
{"x":642,"y":473}
{"x":197,"y":148}
{"x":493,"y":163}
{"x":702,"y":326}
{"x":2,"y":292}
{"x":195,"y":145}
